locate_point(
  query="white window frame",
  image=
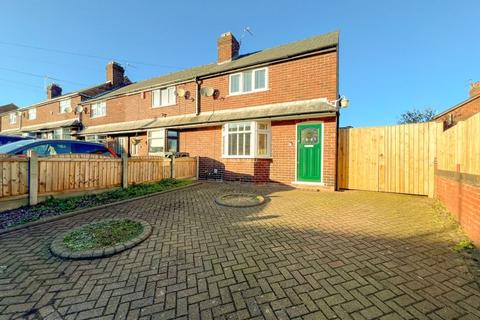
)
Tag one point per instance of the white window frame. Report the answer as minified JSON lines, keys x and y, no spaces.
{"x":12,"y":118}
{"x":64,"y":104}
{"x":102,"y":105}
{"x":241,"y":74}
{"x":170,"y":91}
{"x":254,"y":132}
{"x":32,"y":114}
{"x":98,"y":138}
{"x":149,"y":138}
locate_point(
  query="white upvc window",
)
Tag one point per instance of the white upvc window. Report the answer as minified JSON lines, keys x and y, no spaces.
{"x":249,"y":81}
{"x":64,"y":105}
{"x":32,"y":114}
{"x":248,"y":139}
{"x":98,"y":109}
{"x":164,"y":97}
{"x":62,"y":134}
{"x":96,"y":138}
{"x":12,"y":118}
{"x":156,"y":142}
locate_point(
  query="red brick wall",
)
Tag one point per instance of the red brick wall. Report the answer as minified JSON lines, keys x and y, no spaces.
{"x":207,"y":142}
{"x":48,"y":112}
{"x":463,"y":112}
{"x":463,"y":201}
{"x":302,"y":79}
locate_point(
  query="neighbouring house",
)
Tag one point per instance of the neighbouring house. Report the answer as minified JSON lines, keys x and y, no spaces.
{"x":270,"y":115}
{"x":6,"y":109}
{"x":58,"y":117}
{"x":462,"y":110}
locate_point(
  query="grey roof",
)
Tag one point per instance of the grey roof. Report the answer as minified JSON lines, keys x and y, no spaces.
{"x":51,"y":125}
{"x":458,"y":105}
{"x":325,"y":41}
{"x":8,"y":108}
{"x":271,"y":111}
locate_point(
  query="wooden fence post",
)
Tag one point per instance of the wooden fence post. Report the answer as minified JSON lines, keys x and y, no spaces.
{"x":197,"y":174}
{"x":172,"y":168}
{"x":32,"y":178}
{"x":124,"y":170}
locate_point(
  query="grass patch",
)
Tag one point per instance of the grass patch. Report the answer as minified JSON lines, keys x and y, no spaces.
{"x":463,"y":245}
{"x":58,"y":206}
{"x":102,"y":234}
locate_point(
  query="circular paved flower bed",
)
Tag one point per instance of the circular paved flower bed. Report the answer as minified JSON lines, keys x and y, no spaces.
{"x":240,"y":200}
{"x":101,"y":238}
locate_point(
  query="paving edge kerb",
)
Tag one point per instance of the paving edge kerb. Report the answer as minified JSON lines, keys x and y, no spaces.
{"x":74,"y":213}
{"x":219,"y":200}
{"x":58,"y":248}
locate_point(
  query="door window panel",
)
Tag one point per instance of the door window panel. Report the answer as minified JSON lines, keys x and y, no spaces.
{"x":309,"y":136}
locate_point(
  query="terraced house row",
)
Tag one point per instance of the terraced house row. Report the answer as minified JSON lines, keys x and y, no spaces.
{"x":270,"y":115}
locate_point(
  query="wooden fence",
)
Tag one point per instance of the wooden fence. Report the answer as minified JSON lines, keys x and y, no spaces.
{"x":389,"y":159}
{"x":401,"y":158}
{"x":459,"y":147}
{"x":65,"y":174}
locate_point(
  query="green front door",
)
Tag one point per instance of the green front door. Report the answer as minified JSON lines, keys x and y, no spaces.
{"x":309,"y":152}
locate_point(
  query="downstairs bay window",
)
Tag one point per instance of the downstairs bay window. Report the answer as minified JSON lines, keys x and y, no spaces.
{"x":249,"y":139}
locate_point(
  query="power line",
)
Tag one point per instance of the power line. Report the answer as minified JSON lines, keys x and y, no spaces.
{"x":92,"y":56}
{"x":21,"y":83}
{"x":41,"y":76}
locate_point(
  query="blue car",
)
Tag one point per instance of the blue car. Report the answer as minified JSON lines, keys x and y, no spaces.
{"x":4,"y":139}
{"x":46,"y":148}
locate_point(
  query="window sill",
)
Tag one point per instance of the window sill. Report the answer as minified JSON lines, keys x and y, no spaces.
{"x":246,"y":157}
{"x":167,"y":105}
{"x":249,"y":92}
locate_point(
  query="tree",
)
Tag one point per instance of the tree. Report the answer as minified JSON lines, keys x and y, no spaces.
{"x":416,"y":116}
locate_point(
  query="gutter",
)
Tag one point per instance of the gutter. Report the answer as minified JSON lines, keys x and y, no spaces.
{"x":197,"y":96}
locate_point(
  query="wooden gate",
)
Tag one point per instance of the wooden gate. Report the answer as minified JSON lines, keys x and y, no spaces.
{"x":396,"y":159}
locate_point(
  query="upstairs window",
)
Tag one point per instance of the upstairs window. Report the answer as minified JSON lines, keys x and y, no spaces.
{"x":32,"y":114}
{"x":12,"y":118}
{"x":249,"y":81}
{"x":65,"y":105}
{"x":99,"y":109}
{"x":164,"y":97}
{"x":246,"y":140}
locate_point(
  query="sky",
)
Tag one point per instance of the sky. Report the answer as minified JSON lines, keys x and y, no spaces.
{"x":394,"y":55}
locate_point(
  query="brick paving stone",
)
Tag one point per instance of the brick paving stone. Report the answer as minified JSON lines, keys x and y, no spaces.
{"x":347,"y":255}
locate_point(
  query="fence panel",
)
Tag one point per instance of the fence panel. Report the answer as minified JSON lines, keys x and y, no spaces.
{"x":389,"y":159}
{"x":185,"y":168}
{"x":14,"y":175}
{"x":460,"y":145}
{"x":59,"y":174}
{"x":148,"y":169}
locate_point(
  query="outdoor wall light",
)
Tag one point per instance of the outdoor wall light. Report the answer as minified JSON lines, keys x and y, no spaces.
{"x":341,"y":102}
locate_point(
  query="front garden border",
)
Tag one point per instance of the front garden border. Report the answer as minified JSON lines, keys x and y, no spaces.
{"x":59,"y":249}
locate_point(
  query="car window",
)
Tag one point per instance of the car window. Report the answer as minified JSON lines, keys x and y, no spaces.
{"x":90,"y":149}
{"x":14,"y":145}
{"x":49,"y":148}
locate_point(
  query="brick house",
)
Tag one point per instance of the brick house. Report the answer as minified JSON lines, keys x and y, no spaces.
{"x":270,"y":115}
{"x":57,"y":117}
{"x":462,"y":110}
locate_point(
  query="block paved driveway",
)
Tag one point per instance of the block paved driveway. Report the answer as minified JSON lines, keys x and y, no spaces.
{"x":304,"y":254}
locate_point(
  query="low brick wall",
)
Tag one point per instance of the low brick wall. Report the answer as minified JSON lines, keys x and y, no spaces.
{"x":460,"y":193}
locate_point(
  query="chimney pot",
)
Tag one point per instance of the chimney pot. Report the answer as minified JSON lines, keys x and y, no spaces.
{"x":53,"y":91}
{"x":228,"y":47}
{"x":475,"y":89}
{"x":115,"y":74}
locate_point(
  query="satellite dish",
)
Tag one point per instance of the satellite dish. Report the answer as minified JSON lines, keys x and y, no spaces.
{"x":180,"y":92}
{"x":207,"y":91}
{"x":68,"y":109}
{"x":79,"y":109}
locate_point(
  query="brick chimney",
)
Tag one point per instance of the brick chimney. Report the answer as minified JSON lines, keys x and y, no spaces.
{"x":115,"y":73}
{"x":53,"y":91}
{"x":475,"y":89}
{"x":228,"y":47}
